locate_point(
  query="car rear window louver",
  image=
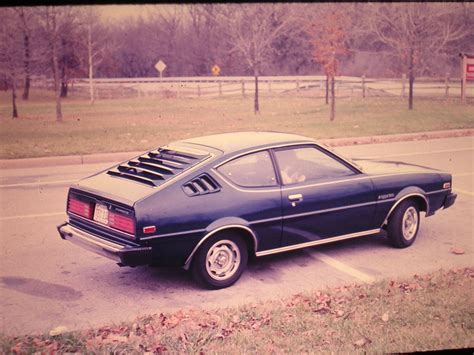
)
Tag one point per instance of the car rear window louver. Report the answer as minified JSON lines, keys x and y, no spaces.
{"x":201,"y":185}
{"x":156,"y":167}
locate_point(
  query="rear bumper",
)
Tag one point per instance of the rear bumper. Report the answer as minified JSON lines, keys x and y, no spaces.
{"x":122,"y":254}
{"x":449,"y":200}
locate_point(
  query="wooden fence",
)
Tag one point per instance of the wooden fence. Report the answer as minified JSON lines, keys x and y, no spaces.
{"x":195,"y":87}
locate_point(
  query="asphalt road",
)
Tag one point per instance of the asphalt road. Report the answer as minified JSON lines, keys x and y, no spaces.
{"x":46,"y":282}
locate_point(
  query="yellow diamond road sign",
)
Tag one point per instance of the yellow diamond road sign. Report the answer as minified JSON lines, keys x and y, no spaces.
{"x":216,"y":70}
{"x":160,"y":66}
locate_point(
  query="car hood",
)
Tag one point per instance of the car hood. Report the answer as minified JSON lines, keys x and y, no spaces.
{"x":390,"y":167}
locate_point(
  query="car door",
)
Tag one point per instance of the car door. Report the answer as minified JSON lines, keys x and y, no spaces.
{"x":322,"y":195}
{"x":255,"y":196}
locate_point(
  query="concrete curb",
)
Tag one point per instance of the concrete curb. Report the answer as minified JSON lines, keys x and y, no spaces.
{"x":334,"y":142}
{"x":121,"y":156}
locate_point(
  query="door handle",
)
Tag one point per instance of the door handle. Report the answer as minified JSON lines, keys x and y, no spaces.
{"x":295,"y":198}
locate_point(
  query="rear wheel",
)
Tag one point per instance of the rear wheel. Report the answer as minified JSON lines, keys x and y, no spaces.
{"x":220,"y":261}
{"x":403,"y":224}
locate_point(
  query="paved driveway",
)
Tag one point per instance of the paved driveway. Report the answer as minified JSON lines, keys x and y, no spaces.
{"x":46,"y":282}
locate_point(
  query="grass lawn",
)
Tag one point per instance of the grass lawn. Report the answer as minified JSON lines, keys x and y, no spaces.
{"x":139,"y":124}
{"x":427,"y":312}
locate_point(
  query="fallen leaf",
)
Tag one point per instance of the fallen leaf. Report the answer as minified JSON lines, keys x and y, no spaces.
{"x":38,"y":342}
{"x":17,"y":348}
{"x":171,"y":322}
{"x":160,"y":349}
{"x":149,"y":330}
{"x":90,"y":343}
{"x":58,"y":330}
{"x":362,"y":342}
{"x":385,"y":317}
{"x":115,"y":339}
{"x":339,"y":313}
{"x":457,"y":250}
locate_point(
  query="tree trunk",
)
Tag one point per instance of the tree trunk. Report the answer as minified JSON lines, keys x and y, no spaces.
{"x":26,"y":63}
{"x":64,"y":88}
{"x":411,"y":79}
{"x":333,"y":100}
{"x":14,"y":109}
{"x":91,"y":65}
{"x":63,"y":80}
{"x":327,"y":89}
{"x":27,"y":59}
{"x":256,"y":105}
{"x":59,"y":114}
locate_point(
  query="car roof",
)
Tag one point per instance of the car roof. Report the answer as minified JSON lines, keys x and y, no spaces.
{"x":237,"y":141}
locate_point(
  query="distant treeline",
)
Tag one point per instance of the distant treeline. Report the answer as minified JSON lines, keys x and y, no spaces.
{"x":371,"y":39}
{"x":191,"y":38}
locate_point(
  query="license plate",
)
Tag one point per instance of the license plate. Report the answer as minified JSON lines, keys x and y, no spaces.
{"x":101,"y":214}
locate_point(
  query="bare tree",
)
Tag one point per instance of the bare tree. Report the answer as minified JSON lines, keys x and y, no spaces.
{"x":95,"y":41}
{"x":26,"y":24}
{"x":167,"y":26}
{"x":11,"y":54}
{"x":328,"y":32}
{"x":53,"y":20}
{"x":415,"y":32}
{"x":251,"y":29}
{"x":205,"y":43}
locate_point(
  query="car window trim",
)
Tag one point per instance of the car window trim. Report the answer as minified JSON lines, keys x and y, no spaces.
{"x":359,"y":173}
{"x":320,"y":149}
{"x":277,"y":183}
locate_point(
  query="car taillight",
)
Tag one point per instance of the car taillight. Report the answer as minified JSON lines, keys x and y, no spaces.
{"x":121,"y":222}
{"x":81,"y":208}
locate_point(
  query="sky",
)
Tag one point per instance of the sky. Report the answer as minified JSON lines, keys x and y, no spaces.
{"x":120,"y":12}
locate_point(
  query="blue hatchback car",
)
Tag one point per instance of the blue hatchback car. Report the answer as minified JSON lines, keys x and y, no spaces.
{"x":209,"y":203}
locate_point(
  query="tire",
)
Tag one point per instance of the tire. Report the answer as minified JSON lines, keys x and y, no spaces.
{"x":403,"y":224}
{"x":233,"y":254}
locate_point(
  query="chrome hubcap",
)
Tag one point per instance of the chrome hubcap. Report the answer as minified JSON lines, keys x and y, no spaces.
{"x":410,"y":223}
{"x":223,"y":260}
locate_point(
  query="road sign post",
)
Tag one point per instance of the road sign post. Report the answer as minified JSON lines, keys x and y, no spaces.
{"x":160,"y":66}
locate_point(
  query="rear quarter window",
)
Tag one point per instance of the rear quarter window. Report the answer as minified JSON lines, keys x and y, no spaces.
{"x":252,"y":170}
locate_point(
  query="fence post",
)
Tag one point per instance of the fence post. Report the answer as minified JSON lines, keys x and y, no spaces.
{"x":446,"y":83}
{"x":220,"y":88}
{"x":199,"y":90}
{"x":404,"y":79}
{"x":270,"y":86}
{"x":363,"y":86}
{"x":464,"y":78}
{"x":297,"y":85}
{"x":243,"y":88}
{"x":327,"y":89}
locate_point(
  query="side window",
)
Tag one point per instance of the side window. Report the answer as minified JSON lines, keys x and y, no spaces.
{"x":303,"y":164}
{"x":252,"y":170}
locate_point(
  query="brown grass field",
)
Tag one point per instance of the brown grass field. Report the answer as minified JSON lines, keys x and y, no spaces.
{"x":425,"y":312}
{"x":117,"y":125}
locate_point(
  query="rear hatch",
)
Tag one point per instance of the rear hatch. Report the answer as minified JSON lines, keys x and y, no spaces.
{"x":137,"y":178}
{"x":104,"y":203}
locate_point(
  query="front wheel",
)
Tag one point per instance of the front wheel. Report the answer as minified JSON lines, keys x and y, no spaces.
{"x":220,"y":261}
{"x":403,"y":224}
